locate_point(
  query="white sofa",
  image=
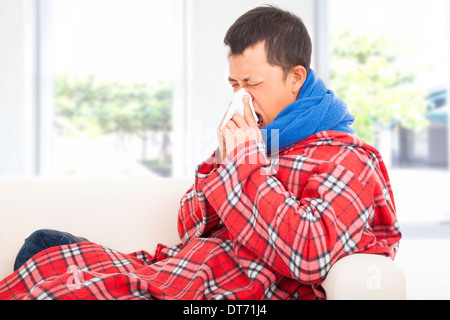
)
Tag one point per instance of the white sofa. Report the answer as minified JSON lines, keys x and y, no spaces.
{"x":135,"y":214}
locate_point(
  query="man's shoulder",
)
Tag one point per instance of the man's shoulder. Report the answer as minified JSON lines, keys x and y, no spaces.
{"x":324,"y":139}
{"x":339,"y":148}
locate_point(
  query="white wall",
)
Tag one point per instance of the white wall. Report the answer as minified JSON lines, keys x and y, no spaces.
{"x":17,"y":145}
{"x":208,"y":93}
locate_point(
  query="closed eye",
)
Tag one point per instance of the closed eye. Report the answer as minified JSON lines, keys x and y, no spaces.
{"x":233,"y":83}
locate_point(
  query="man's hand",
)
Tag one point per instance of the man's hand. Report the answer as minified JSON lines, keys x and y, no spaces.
{"x":238,"y":131}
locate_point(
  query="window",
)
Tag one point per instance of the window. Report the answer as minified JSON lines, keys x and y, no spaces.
{"x":113,"y":82}
{"x":389,"y":61}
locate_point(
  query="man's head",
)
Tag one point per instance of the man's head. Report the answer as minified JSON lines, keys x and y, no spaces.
{"x":285,"y":36}
{"x":269,"y":55}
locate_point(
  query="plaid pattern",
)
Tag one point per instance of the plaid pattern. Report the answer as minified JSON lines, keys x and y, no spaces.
{"x":248,"y":231}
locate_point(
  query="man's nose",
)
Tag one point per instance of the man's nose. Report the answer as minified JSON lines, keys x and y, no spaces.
{"x":247,"y":89}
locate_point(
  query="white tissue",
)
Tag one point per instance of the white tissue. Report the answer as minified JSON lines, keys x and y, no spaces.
{"x":237,"y":106}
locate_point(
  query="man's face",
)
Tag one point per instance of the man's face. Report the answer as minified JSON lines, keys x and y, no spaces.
{"x":270,"y":91}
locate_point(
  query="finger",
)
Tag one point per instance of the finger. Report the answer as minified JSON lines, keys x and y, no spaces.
{"x":248,"y":114}
{"x":231,"y":125}
{"x":220,"y":136}
{"x":223,"y":118}
{"x":239,"y":121}
{"x":222,"y":150}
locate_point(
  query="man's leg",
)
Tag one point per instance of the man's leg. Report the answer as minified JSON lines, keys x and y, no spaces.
{"x":41,"y":240}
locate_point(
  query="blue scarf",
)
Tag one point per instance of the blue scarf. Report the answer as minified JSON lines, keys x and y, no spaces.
{"x":316,"y":109}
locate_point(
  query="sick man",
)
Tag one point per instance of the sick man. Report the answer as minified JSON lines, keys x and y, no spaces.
{"x":283,"y":198}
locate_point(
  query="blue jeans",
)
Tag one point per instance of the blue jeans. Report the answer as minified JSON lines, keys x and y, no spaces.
{"x":41,"y":240}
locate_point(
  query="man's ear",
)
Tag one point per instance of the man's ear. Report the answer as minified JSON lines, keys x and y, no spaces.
{"x":298,"y":77}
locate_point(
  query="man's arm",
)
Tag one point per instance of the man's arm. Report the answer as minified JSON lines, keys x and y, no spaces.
{"x":298,"y":235}
{"x":196,"y":217}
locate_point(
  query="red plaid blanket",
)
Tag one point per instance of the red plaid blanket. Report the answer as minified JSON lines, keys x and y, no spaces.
{"x":251,"y":228}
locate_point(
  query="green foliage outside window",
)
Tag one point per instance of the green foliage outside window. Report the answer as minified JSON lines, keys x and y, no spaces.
{"x":368,"y":74}
{"x":96,"y":107}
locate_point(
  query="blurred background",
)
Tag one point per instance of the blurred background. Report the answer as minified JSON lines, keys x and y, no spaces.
{"x":136,"y":89}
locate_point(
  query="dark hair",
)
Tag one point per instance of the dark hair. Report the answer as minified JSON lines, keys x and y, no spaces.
{"x":286,"y":38}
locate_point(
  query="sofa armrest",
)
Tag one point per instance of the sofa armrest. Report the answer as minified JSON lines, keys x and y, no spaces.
{"x":365,"y":277}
